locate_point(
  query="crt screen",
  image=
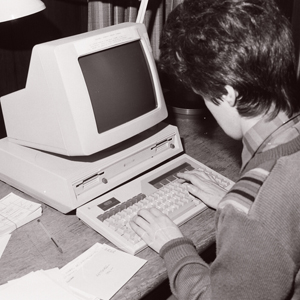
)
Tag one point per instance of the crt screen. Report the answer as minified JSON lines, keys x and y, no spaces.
{"x":119,"y":84}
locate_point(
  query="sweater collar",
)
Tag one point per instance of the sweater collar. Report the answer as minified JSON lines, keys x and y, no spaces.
{"x":263,"y":134}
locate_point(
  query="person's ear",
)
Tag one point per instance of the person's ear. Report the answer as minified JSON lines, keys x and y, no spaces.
{"x":231,"y":95}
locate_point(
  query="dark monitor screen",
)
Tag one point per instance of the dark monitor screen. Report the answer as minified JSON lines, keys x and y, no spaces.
{"x":119,"y":84}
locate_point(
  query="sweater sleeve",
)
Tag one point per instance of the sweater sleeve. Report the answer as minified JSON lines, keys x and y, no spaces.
{"x":188,"y":273}
{"x":250,"y":263}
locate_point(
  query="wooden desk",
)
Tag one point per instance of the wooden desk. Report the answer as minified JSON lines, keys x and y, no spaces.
{"x":30,"y":249}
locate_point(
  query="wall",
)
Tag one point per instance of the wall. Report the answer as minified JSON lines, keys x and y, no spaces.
{"x":286,"y":7}
{"x":61,"y":18}
{"x":291,"y":8}
{"x":296,"y":29}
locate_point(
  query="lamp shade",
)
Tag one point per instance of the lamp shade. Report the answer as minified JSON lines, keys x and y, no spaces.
{"x":14,"y":9}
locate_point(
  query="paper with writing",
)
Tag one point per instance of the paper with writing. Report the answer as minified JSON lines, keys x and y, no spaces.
{"x":16,"y":211}
{"x":101,"y":271}
{"x":35,"y":285}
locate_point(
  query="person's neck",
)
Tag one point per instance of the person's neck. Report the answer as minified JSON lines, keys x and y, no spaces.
{"x":247,"y":123}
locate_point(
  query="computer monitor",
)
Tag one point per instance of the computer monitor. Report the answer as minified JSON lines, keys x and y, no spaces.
{"x":87,"y":92}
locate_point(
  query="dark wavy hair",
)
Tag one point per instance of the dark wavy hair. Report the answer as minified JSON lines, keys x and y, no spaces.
{"x":248,"y":44}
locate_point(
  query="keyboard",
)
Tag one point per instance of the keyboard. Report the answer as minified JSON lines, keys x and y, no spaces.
{"x":110,"y":214}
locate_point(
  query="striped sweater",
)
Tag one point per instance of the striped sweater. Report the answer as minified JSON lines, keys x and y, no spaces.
{"x":246,"y":189}
{"x":258,"y":237}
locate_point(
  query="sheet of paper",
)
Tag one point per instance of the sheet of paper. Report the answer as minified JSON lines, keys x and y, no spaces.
{"x":58,"y":277}
{"x":15,"y":212}
{"x":101,"y":270}
{"x":3,"y":242}
{"x":35,"y":285}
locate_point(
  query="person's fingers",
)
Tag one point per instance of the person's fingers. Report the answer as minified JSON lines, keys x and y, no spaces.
{"x":142,"y":221}
{"x":195,"y":176}
{"x":154,"y":227}
{"x":185,"y":176}
{"x":156,"y":212}
{"x":140,"y":231}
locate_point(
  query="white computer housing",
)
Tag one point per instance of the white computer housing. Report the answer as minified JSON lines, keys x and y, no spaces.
{"x":87,"y":92}
{"x":88,"y":119}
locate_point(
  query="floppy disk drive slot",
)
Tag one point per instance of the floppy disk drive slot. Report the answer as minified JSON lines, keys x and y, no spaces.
{"x":89,"y":182}
{"x":108,"y":174}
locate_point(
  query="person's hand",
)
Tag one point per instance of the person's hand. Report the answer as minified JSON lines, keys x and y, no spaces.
{"x":203,"y":186}
{"x":155,"y":228}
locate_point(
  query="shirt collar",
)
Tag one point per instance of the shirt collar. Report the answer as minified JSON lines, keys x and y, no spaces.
{"x":256,"y":135}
